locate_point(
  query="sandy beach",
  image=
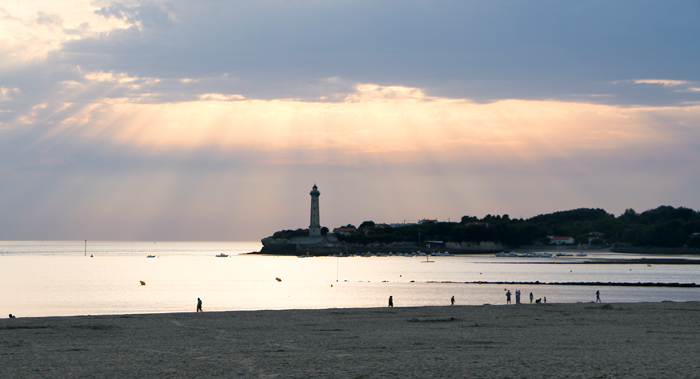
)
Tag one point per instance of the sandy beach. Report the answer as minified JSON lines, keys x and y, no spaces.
{"x":583,"y":340}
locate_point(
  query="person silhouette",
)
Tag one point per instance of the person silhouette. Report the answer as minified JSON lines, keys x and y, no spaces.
{"x":597,"y":297}
{"x":199,"y":305}
{"x":391,"y":301}
{"x":452,"y":300}
{"x":531,"y":297}
{"x":508,"y":297}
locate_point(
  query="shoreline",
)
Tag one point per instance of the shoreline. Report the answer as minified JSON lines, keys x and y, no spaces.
{"x":593,"y":284}
{"x":526,"y":340}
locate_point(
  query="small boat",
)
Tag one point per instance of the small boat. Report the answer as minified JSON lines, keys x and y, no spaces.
{"x":150,"y":256}
{"x":221,"y":255}
{"x":581,"y":255}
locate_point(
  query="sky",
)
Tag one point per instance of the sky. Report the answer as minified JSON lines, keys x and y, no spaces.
{"x":212,"y":120}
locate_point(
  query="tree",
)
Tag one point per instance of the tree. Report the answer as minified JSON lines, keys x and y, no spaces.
{"x":581,"y":239}
{"x":468,"y":219}
{"x":366,"y":224}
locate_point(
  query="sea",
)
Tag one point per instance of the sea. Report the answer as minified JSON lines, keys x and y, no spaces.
{"x":68,"y":278}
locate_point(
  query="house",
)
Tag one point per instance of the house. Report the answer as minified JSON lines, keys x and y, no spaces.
{"x":561,"y":240}
{"x":400,"y":224}
{"x":344,"y":231}
{"x":434,"y":244}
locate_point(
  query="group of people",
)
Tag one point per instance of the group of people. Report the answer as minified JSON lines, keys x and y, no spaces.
{"x":452,"y":300}
{"x":540,"y":300}
{"x":517,"y":297}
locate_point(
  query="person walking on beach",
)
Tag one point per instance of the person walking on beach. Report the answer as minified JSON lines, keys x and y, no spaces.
{"x":391,"y":301}
{"x":199,"y":305}
{"x":452,"y":300}
{"x":508,"y":297}
{"x":517,"y":296}
{"x":531,"y":297}
{"x":597,"y":296}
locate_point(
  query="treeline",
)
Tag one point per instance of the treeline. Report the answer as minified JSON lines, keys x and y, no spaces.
{"x":664,"y":226}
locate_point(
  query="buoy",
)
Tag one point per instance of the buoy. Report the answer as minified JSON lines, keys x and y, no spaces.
{"x":142,"y":282}
{"x":278,"y":279}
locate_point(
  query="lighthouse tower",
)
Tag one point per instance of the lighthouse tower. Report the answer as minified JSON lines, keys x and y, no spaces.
{"x":315,"y":226}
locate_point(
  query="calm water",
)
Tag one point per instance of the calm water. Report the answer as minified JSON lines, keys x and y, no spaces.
{"x":56,"y":278}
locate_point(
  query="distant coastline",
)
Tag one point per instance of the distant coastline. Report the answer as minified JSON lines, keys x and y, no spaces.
{"x":596,"y":284}
{"x":665,"y":230}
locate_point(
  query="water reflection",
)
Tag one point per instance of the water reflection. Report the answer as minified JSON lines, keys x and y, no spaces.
{"x":44,"y":279}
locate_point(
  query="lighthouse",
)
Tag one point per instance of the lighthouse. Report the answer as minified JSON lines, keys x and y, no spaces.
{"x":315,"y":226}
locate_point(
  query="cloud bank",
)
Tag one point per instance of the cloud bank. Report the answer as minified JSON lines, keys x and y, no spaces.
{"x":211,"y":120}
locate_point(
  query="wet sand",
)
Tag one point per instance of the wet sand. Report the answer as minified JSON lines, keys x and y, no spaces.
{"x":584,"y":340}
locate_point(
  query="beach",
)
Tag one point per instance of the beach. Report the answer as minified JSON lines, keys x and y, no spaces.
{"x":579,"y":340}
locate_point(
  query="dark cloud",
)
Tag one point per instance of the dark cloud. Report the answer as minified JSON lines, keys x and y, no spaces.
{"x":481,"y":50}
{"x":65,"y":180}
{"x":148,"y":13}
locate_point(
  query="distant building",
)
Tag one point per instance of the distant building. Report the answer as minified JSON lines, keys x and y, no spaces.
{"x":400,"y":224}
{"x":561,"y":240}
{"x":312,"y":244}
{"x":434,"y":244}
{"x":315,"y":226}
{"x":344,"y":231}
